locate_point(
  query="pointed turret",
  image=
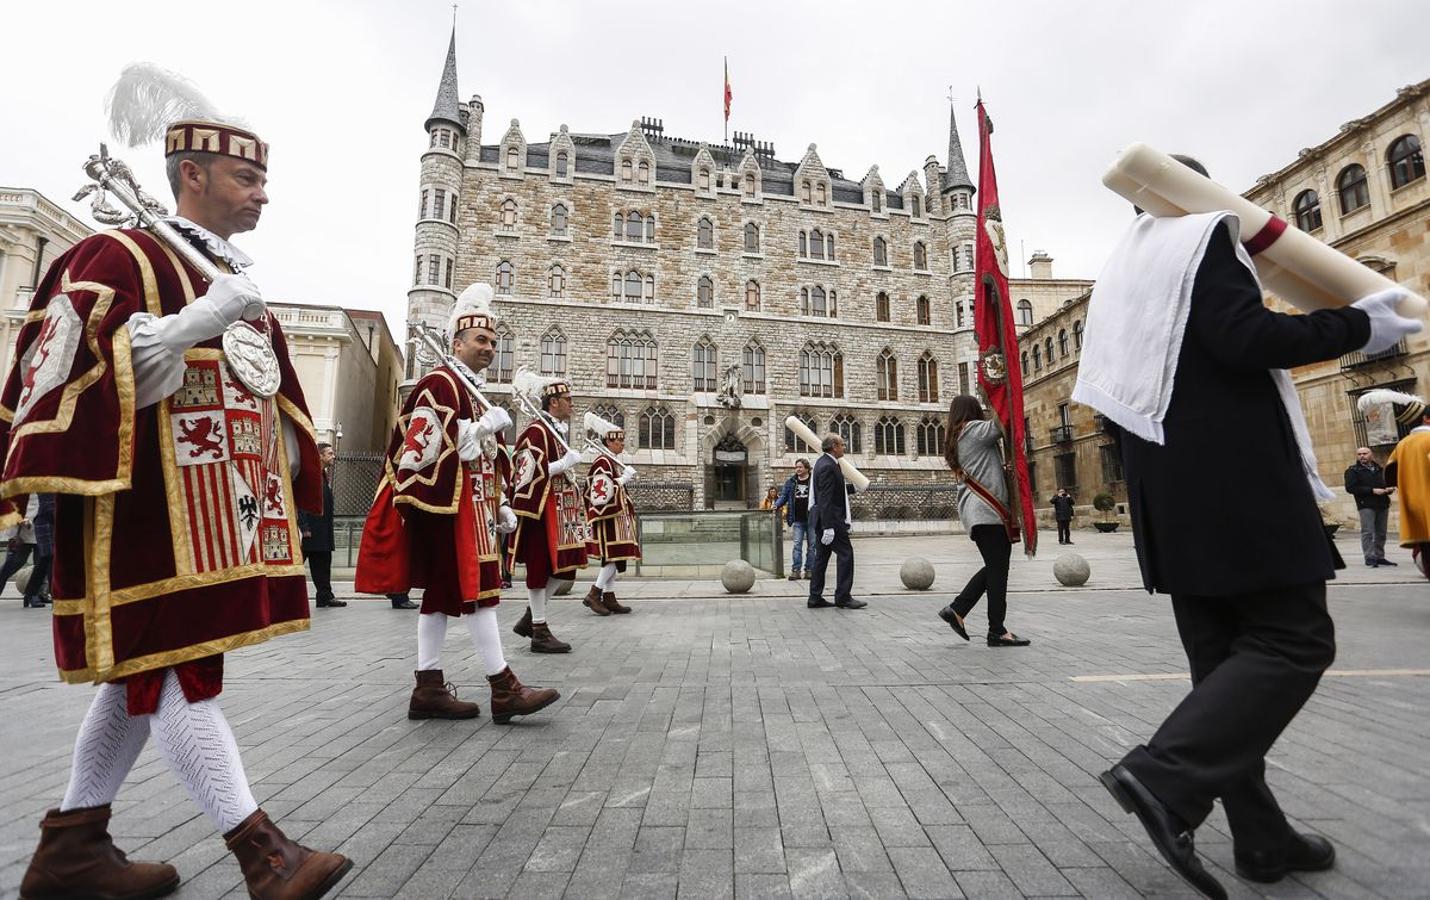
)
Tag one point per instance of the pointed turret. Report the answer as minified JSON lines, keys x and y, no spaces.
{"x":957,"y":175}
{"x":448,"y":107}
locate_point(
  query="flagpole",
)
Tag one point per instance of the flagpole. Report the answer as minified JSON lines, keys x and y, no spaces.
{"x":725,"y":104}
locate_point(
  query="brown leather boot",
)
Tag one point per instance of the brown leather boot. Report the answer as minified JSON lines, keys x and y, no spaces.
{"x":543,"y":641}
{"x":523,"y":625}
{"x":276,"y":868}
{"x":614,"y":605}
{"x":77,"y":858}
{"x":593,"y":602}
{"x":434,"y":698}
{"x":512,"y":698}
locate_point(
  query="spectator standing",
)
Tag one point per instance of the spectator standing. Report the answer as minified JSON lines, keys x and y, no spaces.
{"x":1365,"y":480}
{"x":318,"y":535}
{"x":794,"y":500}
{"x":1063,"y":513}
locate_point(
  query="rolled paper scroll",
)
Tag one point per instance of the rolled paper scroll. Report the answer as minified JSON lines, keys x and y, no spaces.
{"x":851,"y":473}
{"x":1290,"y":263}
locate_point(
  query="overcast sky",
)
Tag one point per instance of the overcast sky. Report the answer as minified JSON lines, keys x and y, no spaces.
{"x":340,"y":90}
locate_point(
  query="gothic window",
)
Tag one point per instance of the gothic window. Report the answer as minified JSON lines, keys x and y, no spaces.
{"x":881,"y":252}
{"x":553,"y":352}
{"x":561,"y":164}
{"x":513,"y":158}
{"x":626,"y":170}
{"x":1025,"y":365}
{"x":1308,"y":211}
{"x":643,"y":172}
{"x":704,"y":365}
{"x":705,"y":293}
{"x":1406,"y":160}
{"x":916,"y":206}
{"x":752,"y":237}
{"x":506,"y":277}
{"x":499,"y":372}
{"x":657,"y":429}
{"x":1048,"y":352}
{"x":619,"y":226}
{"x":921,"y":256}
{"x":928,"y":378}
{"x":752,"y":368}
{"x":958,"y":313}
{"x":448,"y":279}
{"x":508,"y":215}
{"x":1077,"y":335}
{"x":417,"y":270}
{"x":452,"y":215}
{"x":816,"y":244}
{"x":559,"y":217}
{"x":611,"y":413}
{"x":631,"y":361}
{"x":634,"y":227}
{"x":1352,"y":187}
{"x":439,"y":203}
{"x":819,"y":193}
{"x":886,"y":375}
{"x":889,"y":436}
{"x":813,"y":301}
{"x":1037,"y":359}
{"x":803,"y":245}
{"x":556,"y":282}
{"x":833,"y":303}
{"x":921,"y":307}
{"x":632,"y":288}
{"x":1025,"y":312}
{"x":752,"y":295}
{"x":804,"y":191}
{"x":650,"y":229}
{"x":1063,"y":343}
{"x":422,"y":210}
{"x":705,"y":234}
{"x":649,"y":295}
{"x":796,"y":444}
{"x":930,"y":437}
{"x":821,"y":371}
{"x":703,"y":180}
{"x":434,"y":269}
{"x":749,"y":186}
{"x":876,"y":200}
{"x":881,"y":307}
{"x":829,"y":246}
{"x":847,"y":427}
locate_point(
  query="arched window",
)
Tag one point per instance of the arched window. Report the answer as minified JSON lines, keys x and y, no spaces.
{"x":922,"y":312}
{"x":819,"y":195}
{"x":803,"y":245}
{"x":889,"y":436}
{"x":847,"y":427}
{"x":657,"y":429}
{"x":804,"y":191}
{"x":650,"y":229}
{"x":1048,"y":352}
{"x":886,"y":375}
{"x":928,"y":378}
{"x":649,"y":294}
{"x":1352,"y":188}
{"x":643,"y":172}
{"x":1308,"y":211}
{"x":821,"y":371}
{"x":556,"y":282}
{"x":916,"y":206}
{"x":702,"y":181}
{"x":619,"y":226}
{"x":1025,"y":312}
{"x":626,"y":170}
{"x":816,"y":244}
{"x":749,"y":184}
{"x":508,"y":215}
{"x":553,"y":352}
{"x":881,"y":307}
{"x":829,"y":247}
{"x":1077,"y":335}
{"x":633,"y":285}
{"x":611,"y":413}
{"x":813,"y":301}
{"x":452,"y":213}
{"x":929,"y":441}
{"x":1406,"y":161}
{"x":422,"y":208}
{"x":499,"y":372}
{"x":752,"y":368}
{"x":921,"y":255}
{"x":628,"y":287}
{"x":833,"y":303}
{"x":631,"y":361}
{"x":1037,"y":359}
{"x":506,"y":277}
{"x":752,"y":295}
{"x":513,"y":158}
{"x":705,"y":234}
{"x":561,"y":164}
{"x":793,"y":443}
{"x":634,"y":229}
{"x":876,"y":200}
{"x":705,"y":292}
{"x":704,"y":365}
{"x":752,"y":237}
{"x":560,"y":217}
{"x":1025,"y":363}
{"x":881,"y":252}
{"x":1063,"y":343}
{"x":958,"y":313}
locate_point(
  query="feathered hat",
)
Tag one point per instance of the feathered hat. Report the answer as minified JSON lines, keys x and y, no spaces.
{"x":473,"y":310}
{"x":1407,"y":408}
{"x":148,"y":102}
{"x":604,"y":428}
{"x":537,"y":388}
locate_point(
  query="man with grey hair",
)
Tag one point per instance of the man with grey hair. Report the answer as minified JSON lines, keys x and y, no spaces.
{"x":830,"y":518}
{"x":1365,"y":480}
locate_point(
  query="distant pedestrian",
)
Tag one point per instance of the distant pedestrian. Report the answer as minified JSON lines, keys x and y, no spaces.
{"x":770,"y":496}
{"x":1365,"y":480}
{"x":794,"y":500}
{"x":830,"y":516}
{"x":1063,"y":513}
{"x":42,"y":516}
{"x":318,"y":535}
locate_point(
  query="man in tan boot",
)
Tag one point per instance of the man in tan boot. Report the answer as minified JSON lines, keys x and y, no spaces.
{"x":612,"y":515}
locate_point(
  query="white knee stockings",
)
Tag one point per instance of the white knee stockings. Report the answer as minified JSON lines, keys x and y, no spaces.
{"x":481,"y":625}
{"x":536,"y":599}
{"x":606,"y":577}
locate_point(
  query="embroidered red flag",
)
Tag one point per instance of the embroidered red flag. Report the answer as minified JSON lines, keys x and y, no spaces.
{"x":998,"y":371}
{"x":728,"y":94}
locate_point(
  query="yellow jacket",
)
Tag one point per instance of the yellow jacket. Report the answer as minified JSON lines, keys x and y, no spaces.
{"x":1409,"y":470}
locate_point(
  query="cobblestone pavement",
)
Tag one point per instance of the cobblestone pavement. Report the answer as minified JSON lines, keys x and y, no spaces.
{"x":711,"y":746}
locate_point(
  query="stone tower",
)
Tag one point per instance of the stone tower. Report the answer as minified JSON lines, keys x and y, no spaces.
{"x":961,"y":225}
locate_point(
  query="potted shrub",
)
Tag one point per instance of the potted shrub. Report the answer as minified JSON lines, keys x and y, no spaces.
{"x":1105,"y":504}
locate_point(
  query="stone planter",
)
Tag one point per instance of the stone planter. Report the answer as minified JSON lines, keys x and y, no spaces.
{"x":1105,"y":527}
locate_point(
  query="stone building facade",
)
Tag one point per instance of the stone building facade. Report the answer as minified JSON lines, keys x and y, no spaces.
{"x":701,"y":293}
{"x":34,"y":230}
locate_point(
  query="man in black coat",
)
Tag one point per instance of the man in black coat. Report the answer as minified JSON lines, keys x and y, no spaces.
{"x":318,"y":534}
{"x":1366,"y":482}
{"x":1246,"y":563}
{"x":830,"y":518}
{"x":1063,"y":514}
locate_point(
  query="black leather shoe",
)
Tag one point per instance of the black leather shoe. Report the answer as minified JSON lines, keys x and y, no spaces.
{"x":404,"y":604}
{"x":1385,"y":562}
{"x":818,"y":604}
{"x":332,"y":603}
{"x":852,"y":604}
{"x":947,"y":614}
{"x":1170,"y":835}
{"x":1306,"y":853}
{"x":998,"y":640}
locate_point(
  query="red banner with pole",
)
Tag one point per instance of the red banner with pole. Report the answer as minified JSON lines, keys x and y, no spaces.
{"x":999,"y":373}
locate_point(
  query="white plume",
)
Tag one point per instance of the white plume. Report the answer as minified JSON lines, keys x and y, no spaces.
{"x":1385,"y":395}
{"x":528,"y":384}
{"x":147,"y":99}
{"x":600,"y":426}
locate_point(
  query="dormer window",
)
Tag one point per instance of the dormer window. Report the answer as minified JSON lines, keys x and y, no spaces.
{"x":819,"y":194}
{"x":916,"y":207}
{"x":626,"y":170}
{"x":804,"y":189}
{"x":643,"y":172}
{"x":702,"y":181}
{"x":561,"y":164}
{"x":876,"y":201}
{"x":749,"y":186}
{"x":513,"y":158}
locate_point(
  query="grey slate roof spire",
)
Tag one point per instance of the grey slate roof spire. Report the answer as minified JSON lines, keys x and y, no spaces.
{"x":448,"y":107}
{"x":957,"y":174}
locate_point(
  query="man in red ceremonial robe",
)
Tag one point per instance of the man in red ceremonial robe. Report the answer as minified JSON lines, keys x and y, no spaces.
{"x":434,"y":523}
{"x":612,"y":516}
{"x":175,"y":531}
{"x":550,"y":538}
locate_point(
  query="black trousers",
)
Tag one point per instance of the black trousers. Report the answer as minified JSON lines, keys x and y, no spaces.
{"x":39,"y":576}
{"x":992,"y":579}
{"x":1064,"y":531}
{"x":844,"y":569}
{"x":14,"y":561}
{"x":321,"y":564}
{"x":1255,"y":660}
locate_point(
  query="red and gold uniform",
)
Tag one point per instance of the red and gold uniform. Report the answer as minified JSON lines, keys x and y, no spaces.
{"x":611,"y":514}
{"x":550,"y":538}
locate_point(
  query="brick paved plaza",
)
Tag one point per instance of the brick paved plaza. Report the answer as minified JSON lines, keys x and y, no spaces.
{"x":711,"y":745}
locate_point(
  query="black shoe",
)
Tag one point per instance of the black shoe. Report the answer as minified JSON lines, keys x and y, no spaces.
{"x":1306,"y":853}
{"x":821,"y":603}
{"x":998,"y":640}
{"x":852,"y":604}
{"x":1372,"y":563}
{"x":1170,"y":835}
{"x":404,"y":604}
{"x":1385,"y":562}
{"x":794,"y":576}
{"x":332,"y":603}
{"x":948,"y":615}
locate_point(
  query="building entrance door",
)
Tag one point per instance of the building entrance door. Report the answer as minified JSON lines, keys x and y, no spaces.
{"x":727,"y":483}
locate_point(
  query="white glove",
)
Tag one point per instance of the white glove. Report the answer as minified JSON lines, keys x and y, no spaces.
{"x":469,"y":440}
{"x":566,"y":462}
{"x":827,"y":537}
{"x":230,"y":298}
{"x":628,"y":475}
{"x":492,"y":421}
{"x":1386,"y":325}
{"x":506,"y":520}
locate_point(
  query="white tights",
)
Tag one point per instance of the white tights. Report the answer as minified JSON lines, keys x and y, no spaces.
{"x":606,"y":577}
{"x":481,"y":625}
{"x":193,"y":738}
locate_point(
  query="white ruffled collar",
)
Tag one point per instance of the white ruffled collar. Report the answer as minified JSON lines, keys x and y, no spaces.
{"x":234,"y":257}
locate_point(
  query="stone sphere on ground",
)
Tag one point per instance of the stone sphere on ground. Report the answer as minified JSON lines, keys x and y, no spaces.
{"x":738,"y":576}
{"x":563,"y":588}
{"x":916,"y":573}
{"x":1071,"y":570}
{"x":22,"y":578}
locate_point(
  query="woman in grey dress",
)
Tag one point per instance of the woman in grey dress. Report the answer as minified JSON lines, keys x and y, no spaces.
{"x":971,"y":451}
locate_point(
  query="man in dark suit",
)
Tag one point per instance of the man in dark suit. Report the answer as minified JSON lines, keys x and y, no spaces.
{"x":830,"y":519}
{"x":318,"y":535}
{"x":1246,"y":564}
